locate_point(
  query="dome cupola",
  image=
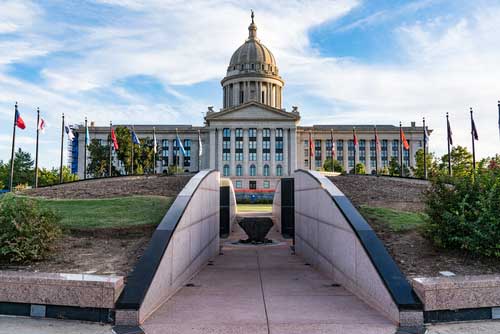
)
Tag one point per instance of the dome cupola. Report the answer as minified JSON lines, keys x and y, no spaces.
{"x":252,"y":74}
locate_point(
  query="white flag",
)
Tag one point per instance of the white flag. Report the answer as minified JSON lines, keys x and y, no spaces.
{"x":42,"y":125}
{"x":69,"y":132}
{"x":154,"y":142}
{"x":200,"y":150}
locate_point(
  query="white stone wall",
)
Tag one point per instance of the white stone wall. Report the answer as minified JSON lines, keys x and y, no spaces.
{"x":194,"y":242}
{"x":326,"y":240}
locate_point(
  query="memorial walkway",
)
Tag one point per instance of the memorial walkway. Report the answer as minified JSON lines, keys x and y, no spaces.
{"x":263,"y":289}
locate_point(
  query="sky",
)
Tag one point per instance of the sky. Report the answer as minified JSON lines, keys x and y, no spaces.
{"x":161,"y":62}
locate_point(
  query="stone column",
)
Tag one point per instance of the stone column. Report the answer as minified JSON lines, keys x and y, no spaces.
{"x":272,"y":163}
{"x":170,"y":152}
{"x":212,"y":146}
{"x":293,"y":151}
{"x":285,"y":152}
{"x":220,"y":164}
{"x":368,"y":167}
{"x":346,"y":155}
{"x":259,"y":152}
{"x":232,"y":170}
{"x":323,"y":152}
{"x":245,"y":161}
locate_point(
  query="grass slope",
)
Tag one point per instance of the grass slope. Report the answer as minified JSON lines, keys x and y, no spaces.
{"x":397,"y":221}
{"x":255,"y":207}
{"x":110,"y":212}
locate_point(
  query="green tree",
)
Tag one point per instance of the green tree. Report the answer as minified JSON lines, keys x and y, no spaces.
{"x":48,"y":177}
{"x":384,"y":171}
{"x":461,"y":162}
{"x":99,"y":160}
{"x":360,"y":168}
{"x":418,"y":170}
{"x":394,"y":167}
{"x":23,"y":169}
{"x":332,"y":165}
{"x":143,"y":153}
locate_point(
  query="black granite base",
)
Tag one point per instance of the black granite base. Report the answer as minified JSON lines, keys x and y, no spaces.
{"x":468,"y":314}
{"x":256,"y":229}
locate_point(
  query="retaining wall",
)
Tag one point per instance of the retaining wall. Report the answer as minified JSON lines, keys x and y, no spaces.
{"x":332,"y":236}
{"x":185,"y":240}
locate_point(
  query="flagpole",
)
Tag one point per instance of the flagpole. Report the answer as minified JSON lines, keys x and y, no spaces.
{"x":110,"y":149}
{"x":11,"y":181}
{"x":199,"y":150}
{"x":425,"y":148}
{"x":400,"y":150}
{"x":36,"y":150}
{"x":154,"y":150}
{"x":354,"y":139}
{"x":62,"y":151}
{"x":376,"y":150}
{"x":85,"y":152}
{"x":310,"y":150}
{"x":473,"y":144}
{"x":449,"y":151}
{"x":499,"y":117}
{"x":132,"y":164}
{"x":332,"y":149}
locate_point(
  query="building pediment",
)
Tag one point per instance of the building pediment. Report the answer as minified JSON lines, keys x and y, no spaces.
{"x":252,"y":111}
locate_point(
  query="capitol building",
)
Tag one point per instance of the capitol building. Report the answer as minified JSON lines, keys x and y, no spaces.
{"x":253,"y":140}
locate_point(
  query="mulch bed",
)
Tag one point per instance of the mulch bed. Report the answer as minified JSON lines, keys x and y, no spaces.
{"x":102,"y":252}
{"x":115,"y":187}
{"x":415,"y":255}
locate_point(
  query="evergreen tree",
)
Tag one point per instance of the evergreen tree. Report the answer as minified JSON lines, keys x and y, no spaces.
{"x":332,"y":165}
{"x":394,"y":167}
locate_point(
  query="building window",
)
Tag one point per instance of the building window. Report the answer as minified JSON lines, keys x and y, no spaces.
{"x":267,"y":184}
{"x":383,"y":153}
{"x":241,"y":96}
{"x":226,"y":170}
{"x":239,"y":156}
{"x":395,"y":148}
{"x":239,"y":185}
{"x":266,"y":144}
{"x":266,"y":170}
{"x":317,"y":153}
{"x":239,"y":170}
{"x":373,"y":149}
{"x":328,"y":146}
{"x":340,"y":151}
{"x":279,"y":145}
{"x":279,"y":170}
{"x":187,"y":150}
{"x":252,"y":144}
{"x":238,"y":133}
{"x":164,"y":152}
{"x":362,"y":151}
{"x":252,"y":184}
{"x":253,"y":170}
{"x":226,"y":144}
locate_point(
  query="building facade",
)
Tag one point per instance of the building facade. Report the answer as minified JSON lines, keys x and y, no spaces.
{"x":253,"y":140}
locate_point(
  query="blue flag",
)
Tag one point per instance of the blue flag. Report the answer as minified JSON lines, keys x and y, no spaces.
{"x":135,"y":139}
{"x":181,"y":147}
{"x":87,"y":136}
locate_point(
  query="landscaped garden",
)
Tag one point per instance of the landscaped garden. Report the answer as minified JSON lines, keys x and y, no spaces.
{"x":446,"y":224}
{"x":95,"y":226}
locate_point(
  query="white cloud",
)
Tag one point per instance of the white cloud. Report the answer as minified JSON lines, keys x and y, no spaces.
{"x":449,"y":67}
{"x":16,"y":15}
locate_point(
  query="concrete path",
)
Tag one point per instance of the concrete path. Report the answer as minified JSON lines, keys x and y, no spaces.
{"x":264,"y":289}
{"x":22,"y":325}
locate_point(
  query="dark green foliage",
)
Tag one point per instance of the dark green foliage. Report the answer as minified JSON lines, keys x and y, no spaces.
{"x":48,"y":177}
{"x":360,"y":168}
{"x":23,"y":169}
{"x":27,"y":231}
{"x":331,"y":165}
{"x":143,"y":154}
{"x":464,"y":212}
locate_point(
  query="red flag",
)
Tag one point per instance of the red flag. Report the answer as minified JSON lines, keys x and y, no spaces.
{"x":404,"y":141}
{"x":311,"y":146}
{"x":113,"y":138}
{"x":355,"y":138}
{"x":19,"y":121}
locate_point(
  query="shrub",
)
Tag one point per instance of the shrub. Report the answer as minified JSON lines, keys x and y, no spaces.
{"x":27,"y":231}
{"x":464,"y":213}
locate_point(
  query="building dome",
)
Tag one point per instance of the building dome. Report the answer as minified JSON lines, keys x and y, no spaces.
{"x":252,"y":74}
{"x":252,"y":56}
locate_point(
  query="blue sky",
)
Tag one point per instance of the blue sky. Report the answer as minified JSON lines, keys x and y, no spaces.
{"x":158,"y":61}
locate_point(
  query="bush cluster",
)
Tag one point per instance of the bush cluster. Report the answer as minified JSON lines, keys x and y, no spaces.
{"x":27,"y":231}
{"x":464,"y":212}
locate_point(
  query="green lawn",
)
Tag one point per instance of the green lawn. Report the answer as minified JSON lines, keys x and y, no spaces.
{"x":110,"y":212}
{"x":255,"y":207}
{"x":397,"y":221}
